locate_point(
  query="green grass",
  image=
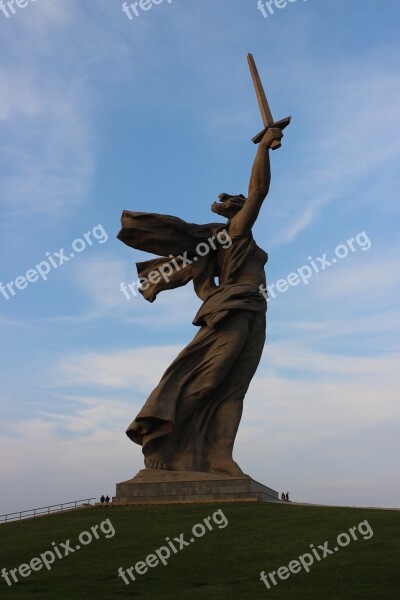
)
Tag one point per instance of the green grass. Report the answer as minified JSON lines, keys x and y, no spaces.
{"x":223,"y":564}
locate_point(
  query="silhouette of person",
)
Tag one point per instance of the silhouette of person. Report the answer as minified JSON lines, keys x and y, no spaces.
{"x":107,"y":499}
{"x":287,"y":496}
{"x":102,"y":499}
{"x":283,"y":497}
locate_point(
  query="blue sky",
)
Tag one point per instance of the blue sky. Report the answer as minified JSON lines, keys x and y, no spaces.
{"x":99,"y":113}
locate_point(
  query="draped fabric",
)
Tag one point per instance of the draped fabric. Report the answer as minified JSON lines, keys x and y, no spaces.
{"x":169,"y":237}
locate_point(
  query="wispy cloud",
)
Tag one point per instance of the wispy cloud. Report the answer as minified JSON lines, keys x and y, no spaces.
{"x":48,"y":109}
{"x":48,"y":145}
{"x":338,"y":150}
{"x":137,"y":369}
{"x":325,"y":402}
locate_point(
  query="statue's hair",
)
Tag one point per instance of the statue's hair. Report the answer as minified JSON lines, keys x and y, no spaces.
{"x":228,"y":205}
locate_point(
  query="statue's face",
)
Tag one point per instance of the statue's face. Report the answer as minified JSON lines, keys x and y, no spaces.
{"x":228,"y":206}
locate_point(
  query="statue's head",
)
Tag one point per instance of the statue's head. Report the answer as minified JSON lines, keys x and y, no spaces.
{"x":228,"y":206}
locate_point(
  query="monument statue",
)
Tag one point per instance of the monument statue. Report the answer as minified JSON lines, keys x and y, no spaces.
{"x":190,"y":420}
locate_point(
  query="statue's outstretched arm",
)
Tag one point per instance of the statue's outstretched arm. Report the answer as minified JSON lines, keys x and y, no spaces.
{"x":260,"y":179}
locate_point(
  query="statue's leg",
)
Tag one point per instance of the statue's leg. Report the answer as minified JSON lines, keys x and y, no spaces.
{"x":227,"y":421}
{"x":205,"y":364}
{"x":204,"y":388}
{"x":230,"y":400}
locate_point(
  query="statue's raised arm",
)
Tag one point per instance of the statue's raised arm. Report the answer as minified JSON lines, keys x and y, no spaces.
{"x":243,"y":221}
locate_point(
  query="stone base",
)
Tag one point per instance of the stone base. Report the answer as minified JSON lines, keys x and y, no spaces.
{"x":151,"y":486}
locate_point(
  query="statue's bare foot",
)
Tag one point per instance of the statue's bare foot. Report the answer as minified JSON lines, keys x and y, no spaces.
{"x":154,"y":462}
{"x":154,"y":456}
{"x":226,"y":466}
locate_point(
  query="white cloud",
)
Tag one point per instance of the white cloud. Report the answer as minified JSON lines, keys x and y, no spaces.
{"x":339,"y":149}
{"x":57,"y":469}
{"x":47,"y":145}
{"x":47,"y":138}
{"x":374,"y":279}
{"x":137,"y":369}
{"x":325,"y":413}
{"x":100,"y":279}
{"x":357,"y":326}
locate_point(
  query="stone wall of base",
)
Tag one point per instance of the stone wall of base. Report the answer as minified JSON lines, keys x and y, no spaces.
{"x":138,"y":490}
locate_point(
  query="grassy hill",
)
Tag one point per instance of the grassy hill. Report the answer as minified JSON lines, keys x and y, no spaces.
{"x":223,"y":562}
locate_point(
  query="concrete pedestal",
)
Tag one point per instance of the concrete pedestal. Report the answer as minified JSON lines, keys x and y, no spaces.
{"x":164,"y":487}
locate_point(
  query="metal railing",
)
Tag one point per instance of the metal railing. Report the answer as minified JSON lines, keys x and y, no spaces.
{"x":45,"y":510}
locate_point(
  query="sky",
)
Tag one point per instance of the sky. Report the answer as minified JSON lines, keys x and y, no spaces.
{"x":102,"y":111}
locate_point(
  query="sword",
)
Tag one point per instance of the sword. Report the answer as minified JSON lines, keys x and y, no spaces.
{"x":265,"y":110}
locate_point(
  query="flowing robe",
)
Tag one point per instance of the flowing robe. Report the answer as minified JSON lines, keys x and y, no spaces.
{"x":195,"y":410}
